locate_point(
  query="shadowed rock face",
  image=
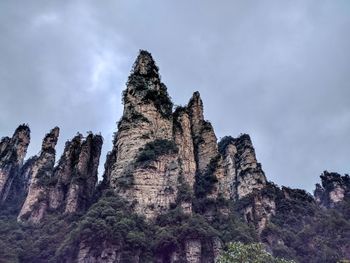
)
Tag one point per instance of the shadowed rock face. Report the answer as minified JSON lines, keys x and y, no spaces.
{"x":12,"y":153}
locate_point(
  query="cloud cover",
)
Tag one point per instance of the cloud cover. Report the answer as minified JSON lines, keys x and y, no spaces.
{"x":278,"y":70}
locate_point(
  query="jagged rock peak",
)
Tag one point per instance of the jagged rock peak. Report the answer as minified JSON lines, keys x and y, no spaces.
{"x":195,"y":106}
{"x":145,"y":65}
{"x":40,"y":174}
{"x":12,"y":153}
{"x":50,"y":140}
{"x":3,"y":144}
{"x":144,"y":87}
{"x":20,"y":141}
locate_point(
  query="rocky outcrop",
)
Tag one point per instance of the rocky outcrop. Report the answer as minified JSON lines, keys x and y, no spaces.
{"x":110,"y":253}
{"x":260,"y":210}
{"x":151,"y":182}
{"x":35,"y":205}
{"x":193,"y":251}
{"x":84,"y":179}
{"x":64,"y":172}
{"x":184,"y":141}
{"x":204,"y":138}
{"x":333,"y":190}
{"x":12,"y":153}
{"x":146,"y":116}
{"x":68,"y":187}
{"x":239,"y":174}
{"x":250,"y":175}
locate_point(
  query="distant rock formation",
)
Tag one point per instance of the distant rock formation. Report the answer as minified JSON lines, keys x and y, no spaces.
{"x":333,"y":190}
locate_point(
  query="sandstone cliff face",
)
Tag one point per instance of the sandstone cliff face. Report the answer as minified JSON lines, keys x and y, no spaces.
{"x":260,"y":211}
{"x":153,"y":184}
{"x":249,"y":173}
{"x":147,"y":117}
{"x":83,"y":184}
{"x":12,"y":153}
{"x":333,"y":190}
{"x":239,"y":174}
{"x":184,"y":141}
{"x":69,"y":187}
{"x":204,"y":138}
{"x":64,"y":172}
{"x":110,"y":253}
{"x":35,"y":205}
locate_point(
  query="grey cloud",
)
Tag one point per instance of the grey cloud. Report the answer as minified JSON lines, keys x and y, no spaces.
{"x":278,"y":70}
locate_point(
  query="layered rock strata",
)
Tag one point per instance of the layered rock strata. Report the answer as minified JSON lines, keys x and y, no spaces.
{"x":41,"y":170}
{"x":153,"y":183}
{"x":68,"y":187}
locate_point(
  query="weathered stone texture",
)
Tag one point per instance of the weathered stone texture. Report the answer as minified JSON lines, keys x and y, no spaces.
{"x":204,"y":138}
{"x":184,"y":142}
{"x":12,"y":153}
{"x":333,"y":190}
{"x":193,"y":251}
{"x":260,"y":211}
{"x":68,"y":187}
{"x":35,"y":204}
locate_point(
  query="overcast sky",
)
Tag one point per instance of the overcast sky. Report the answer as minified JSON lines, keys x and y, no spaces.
{"x":277,"y":70}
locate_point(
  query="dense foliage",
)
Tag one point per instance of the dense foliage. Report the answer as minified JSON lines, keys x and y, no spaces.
{"x":152,"y":150}
{"x":205,"y":181}
{"x":303,"y":231}
{"x":111,"y":220}
{"x":251,"y":253}
{"x":299,"y":231}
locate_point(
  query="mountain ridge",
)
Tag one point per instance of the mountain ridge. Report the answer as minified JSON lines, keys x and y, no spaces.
{"x":166,"y":176}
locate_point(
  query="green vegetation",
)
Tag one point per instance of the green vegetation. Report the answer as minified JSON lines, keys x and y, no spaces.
{"x":132,"y":117}
{"x":299,"y":230}
{"x":156,"y":148}
{"x":205,"y":182}
{"x":126,"y":180}
{"x":302,"y":231}
{"x":251,"y":253}
{"x":224,"y":142}
{"x":161,"y":100}
{"x":184,"y":191}
{"x":44,"y":178}
{"x":109,"y":220}
{"x":150,"y":90}
{"x":176,"y":115}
